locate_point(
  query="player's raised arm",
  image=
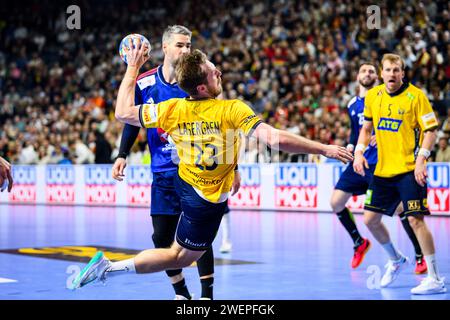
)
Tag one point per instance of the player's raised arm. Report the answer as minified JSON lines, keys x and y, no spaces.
{"x":125,"y":109}
{"x":289,"y":142}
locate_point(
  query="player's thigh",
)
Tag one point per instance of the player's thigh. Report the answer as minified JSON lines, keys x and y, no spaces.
{"x":165,"y":199}
{"x":382,"y":196}
{"x":199,"y":221}
{"x":413,"y":195}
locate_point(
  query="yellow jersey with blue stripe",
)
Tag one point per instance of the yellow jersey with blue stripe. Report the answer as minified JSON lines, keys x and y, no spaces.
{"x":399,"y":120}
{"x":206,"y":134}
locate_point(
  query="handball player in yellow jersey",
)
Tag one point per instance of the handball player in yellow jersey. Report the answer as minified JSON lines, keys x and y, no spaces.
{"x":205,"y":132}
{"x":405,"y":129}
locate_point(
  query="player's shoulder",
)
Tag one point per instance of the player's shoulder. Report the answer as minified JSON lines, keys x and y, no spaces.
{"x":412,"y":91}
{"x":352,"y":102}
{"x":235,"y":103}
{"x":375,"y":91}
{"x":147,"y":79}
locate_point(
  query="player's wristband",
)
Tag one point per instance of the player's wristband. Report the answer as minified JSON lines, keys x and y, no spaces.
{"x":360,"y":147}
{"x":424,"y":152}
{"x":122,"y":155}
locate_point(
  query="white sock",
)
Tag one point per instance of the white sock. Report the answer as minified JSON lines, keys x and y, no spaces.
{"x":394,"y":255}
{"x":433,"y":271}
{"x":226,"y":228}
{"x":124,"y":265}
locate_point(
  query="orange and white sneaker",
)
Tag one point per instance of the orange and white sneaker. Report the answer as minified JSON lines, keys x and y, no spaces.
{"x":421,"y":266}
{"x":360,"y":252}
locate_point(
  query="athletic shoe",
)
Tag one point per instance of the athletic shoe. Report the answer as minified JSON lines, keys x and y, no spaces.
{"x":205,"y":299}
{"x":95,"y":269}
{"x":360,"y":252}
{"x":180,"y":297}
{"x":430,"y":286}
{"x":421,"y":266}
{"x":393,"y":270}
{"x":226,"y":247}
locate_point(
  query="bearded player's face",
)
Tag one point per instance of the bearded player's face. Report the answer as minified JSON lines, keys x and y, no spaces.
{"x":367,"y":76}
{"x":214,"y":79}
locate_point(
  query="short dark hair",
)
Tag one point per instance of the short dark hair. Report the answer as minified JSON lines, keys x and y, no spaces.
{"x":189,"y":72}
{"x":367,"y":63}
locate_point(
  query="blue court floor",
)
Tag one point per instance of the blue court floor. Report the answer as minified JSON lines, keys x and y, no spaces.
{"x":276,"y":255}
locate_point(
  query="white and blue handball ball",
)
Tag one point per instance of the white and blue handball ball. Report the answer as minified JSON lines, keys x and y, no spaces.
{"x":133,"y":40}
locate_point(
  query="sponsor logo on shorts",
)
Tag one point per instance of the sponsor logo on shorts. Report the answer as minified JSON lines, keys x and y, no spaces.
{"x":193,"y":244}
{"x":368,"y":197}
{"x":413,"y":205}
{"x":425,"y":202}
{"x":389,"y":124}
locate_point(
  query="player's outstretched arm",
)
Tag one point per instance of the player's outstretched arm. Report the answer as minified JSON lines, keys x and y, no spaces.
{"x":286,"y":141}
{"x":364,"y":137}
{"x":125,"y":109}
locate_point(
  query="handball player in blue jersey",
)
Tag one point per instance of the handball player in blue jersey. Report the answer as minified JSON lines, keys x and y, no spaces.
{"x":351,"y":183}
{"x":155,"y":86}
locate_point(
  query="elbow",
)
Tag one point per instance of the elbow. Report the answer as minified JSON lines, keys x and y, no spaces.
{"x":120,"y":115}
{"x":123,"y":116}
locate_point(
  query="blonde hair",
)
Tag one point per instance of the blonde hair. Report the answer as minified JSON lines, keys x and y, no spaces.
{"x":393,"y":58}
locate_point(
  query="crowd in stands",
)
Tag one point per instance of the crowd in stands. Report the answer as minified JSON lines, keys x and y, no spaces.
{"x":293,"y":62}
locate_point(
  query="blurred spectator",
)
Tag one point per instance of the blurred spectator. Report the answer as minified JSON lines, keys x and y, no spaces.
{"x":443,"y":152}
{"x":293,"y":62}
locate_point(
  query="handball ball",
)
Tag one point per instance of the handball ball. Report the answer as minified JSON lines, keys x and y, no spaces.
{"x":133,"y":40}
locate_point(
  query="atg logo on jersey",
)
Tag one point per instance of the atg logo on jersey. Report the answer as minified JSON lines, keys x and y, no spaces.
{"x":249,"y":194}
{"x":24,"y":189}
{"x":389,"y":124}
{"x":60,"y":184}
{"x":296,"y":186}
{"x":439,"y":187}
{"x":100,"y":186}
{"x":139,"y":180}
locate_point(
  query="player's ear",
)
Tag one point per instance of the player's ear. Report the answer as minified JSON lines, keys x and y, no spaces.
{"x":164,"y":47}
{"x":201,"y":88}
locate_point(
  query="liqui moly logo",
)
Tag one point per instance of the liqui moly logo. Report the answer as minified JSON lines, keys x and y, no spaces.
{"x":139,"y":180}
{"x":100,"y":186}
{"x":249,"y":194}
{"x":60,"y":184}
{"x":24,"y":189}
{"x":439,"y":187}
{"x":296,"y":186}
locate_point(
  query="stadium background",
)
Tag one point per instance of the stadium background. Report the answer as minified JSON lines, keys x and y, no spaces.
{"x":293,"y":62}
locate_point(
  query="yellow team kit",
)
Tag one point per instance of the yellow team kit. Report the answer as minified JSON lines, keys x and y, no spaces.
{"x":206,"y":134}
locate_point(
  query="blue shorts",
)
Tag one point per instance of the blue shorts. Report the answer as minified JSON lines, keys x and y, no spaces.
{"x":353,"y":183}
{"x":200,"y":219}
{"x":385,"y":194}
{"x":165,"y":199}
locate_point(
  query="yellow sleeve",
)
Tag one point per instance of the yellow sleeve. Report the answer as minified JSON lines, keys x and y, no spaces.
{"x":243,"y":117}
{"x":425,"y":114}
{"x":152,"y":115}
{"x":367,"y":106}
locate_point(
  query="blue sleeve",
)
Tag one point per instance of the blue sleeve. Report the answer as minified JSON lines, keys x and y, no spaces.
{"x":354,"y":133}
{"x":129,"y":132}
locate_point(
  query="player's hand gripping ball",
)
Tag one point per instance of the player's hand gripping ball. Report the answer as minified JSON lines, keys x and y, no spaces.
{"x":131,"y":40}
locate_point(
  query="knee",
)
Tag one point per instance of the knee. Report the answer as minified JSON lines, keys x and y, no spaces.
{"x":372,"y":221}
{"x":337,"y":204}
{"x":415,"y":222}
{"x":161,"y":240}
